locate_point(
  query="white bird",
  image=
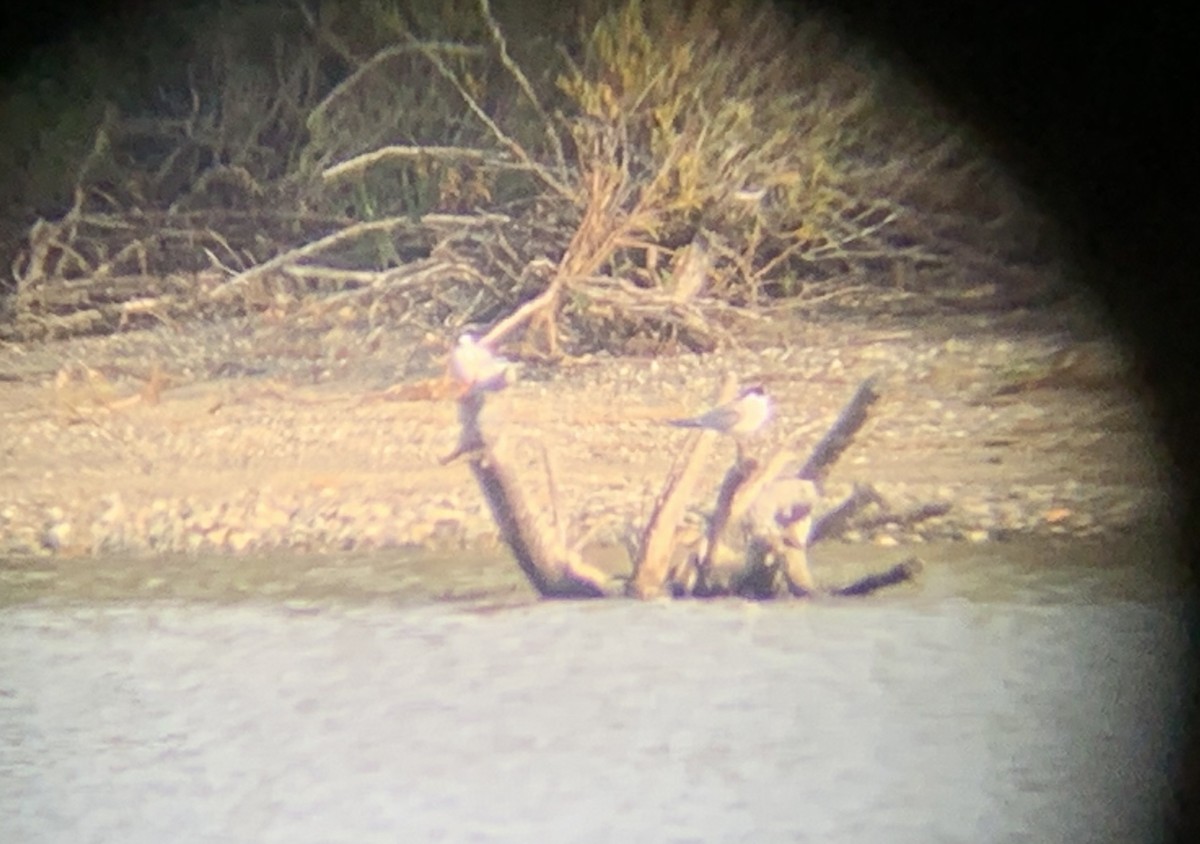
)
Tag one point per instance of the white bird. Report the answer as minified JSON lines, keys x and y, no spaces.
{"x":745,"y":414}
{"x":476,"y":367}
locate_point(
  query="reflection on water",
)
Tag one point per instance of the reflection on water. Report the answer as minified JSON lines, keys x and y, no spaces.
{"x":1040,"y":708}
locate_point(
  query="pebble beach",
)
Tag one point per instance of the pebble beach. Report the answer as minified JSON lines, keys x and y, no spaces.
{"x":244,"y":436}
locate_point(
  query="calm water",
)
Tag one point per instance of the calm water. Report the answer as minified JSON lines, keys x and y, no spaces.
{"x":1015,"y":694}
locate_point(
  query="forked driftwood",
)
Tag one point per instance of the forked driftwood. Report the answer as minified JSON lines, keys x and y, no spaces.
{"x":652,"y":570}
{"x":554,"y":569}
{"x":756,"y":540}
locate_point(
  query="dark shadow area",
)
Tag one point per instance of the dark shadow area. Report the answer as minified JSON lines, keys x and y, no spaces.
{"x":1092,"y":109}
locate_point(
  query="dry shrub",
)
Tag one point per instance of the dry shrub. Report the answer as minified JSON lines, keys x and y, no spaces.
{"x":799,"y":155}
{"x":552,"y":175}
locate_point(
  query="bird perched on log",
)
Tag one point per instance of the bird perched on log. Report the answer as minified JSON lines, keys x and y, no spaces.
{"x":748,"y":412}
{"x":476,"y":368}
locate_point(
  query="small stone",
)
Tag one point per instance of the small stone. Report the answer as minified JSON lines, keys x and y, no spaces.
{"x":57,"y":536}
{"x":1057,"y":514}
{"x":268,"y":516}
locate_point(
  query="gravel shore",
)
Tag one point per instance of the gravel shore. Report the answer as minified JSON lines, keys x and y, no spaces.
{"x":246,"y":436}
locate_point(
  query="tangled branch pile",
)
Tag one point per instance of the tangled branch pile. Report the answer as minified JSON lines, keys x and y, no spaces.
{"x":640,"y":170}
{"x":755,"y":541}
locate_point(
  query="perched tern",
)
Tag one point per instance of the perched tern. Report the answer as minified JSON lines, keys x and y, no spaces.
{"x":476,"y":368}
{"x":743,"y":415}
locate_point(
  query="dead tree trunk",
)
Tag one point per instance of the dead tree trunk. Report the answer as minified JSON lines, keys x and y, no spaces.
{"x":555,"y":570}
{"x":757,"y":539}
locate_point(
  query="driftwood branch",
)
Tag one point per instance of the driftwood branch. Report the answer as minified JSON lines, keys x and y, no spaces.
{"x":370,"y":159}
{"x":658,"y":541}
{"x":358,"y":230}
{"x":835,"y":520}
{"x":839,"y":437}
{"x":554,"y":569}
{"x":757,"y":538}
{"x":899,"y":573}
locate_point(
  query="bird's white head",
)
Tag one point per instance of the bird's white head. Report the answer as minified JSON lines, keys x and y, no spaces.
{"x":475,"y":367}
{"x":754,"y":409}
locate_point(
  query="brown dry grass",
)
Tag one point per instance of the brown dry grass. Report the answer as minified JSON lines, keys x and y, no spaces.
{"x":650,"y":171}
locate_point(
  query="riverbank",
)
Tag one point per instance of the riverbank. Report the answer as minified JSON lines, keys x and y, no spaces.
{"x":252,"y":436}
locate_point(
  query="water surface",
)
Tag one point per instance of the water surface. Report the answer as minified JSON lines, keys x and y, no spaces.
{"x":1017,"y":693}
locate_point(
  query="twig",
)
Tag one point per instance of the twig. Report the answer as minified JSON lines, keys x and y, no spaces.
{"x":523,"y":82}
{"x":515,"y":148}
{"x":369,"y":159}
{"x":358,"y":230}
{"x":552,"y":488}
{"x":367,"y":66}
